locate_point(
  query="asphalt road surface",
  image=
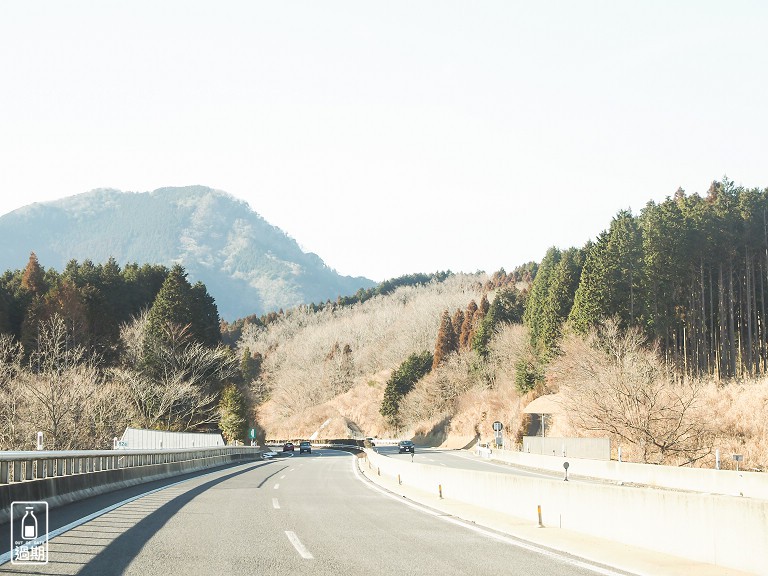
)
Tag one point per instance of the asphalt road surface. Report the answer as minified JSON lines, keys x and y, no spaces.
{"x":462,"y":460}
{"x":300,"y":514}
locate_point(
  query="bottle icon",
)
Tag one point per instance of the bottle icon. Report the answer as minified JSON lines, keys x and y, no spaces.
{"x":29,"y":524}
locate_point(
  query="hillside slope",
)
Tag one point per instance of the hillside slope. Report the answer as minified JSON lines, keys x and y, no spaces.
{"x":248,"y":265}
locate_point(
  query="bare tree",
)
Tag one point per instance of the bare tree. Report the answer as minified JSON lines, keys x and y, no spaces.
{"x":12,"y":431}
{"x":614,"y":383}
{"x":181,"y":392}
{"x":63,"y":394}
{"x":380,"y":333}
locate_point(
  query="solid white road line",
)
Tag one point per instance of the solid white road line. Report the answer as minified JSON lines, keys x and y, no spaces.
{"x":300,"y":548}
{"x":275,"y":504}
{"x":499,"y":537}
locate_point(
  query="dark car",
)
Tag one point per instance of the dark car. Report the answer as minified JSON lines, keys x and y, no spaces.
{"x":405,"y":446}
{"x":288,"y":447}
{"x":305,"y":447}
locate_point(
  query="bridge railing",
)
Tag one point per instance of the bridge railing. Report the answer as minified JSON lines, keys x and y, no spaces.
{"x":37,"y":465}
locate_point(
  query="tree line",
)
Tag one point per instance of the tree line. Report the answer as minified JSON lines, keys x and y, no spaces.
{"x":690,"y":272}
{"x":88,"y":351}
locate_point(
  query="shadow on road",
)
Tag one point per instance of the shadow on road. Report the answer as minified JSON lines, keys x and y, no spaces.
{"x":118,"y":554}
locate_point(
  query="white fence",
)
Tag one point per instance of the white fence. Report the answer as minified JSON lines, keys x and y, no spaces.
{"x":141,"y":439}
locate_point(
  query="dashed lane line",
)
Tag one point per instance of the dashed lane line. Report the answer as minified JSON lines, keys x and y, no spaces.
{"x":300,"y":548}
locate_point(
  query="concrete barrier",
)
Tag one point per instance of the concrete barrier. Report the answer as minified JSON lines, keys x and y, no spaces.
{"x":64,"y":488}
{"x":715,"y":529}
{"x":705,"y":480}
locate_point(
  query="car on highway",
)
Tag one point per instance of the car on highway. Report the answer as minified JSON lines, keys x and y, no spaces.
{"x":288,"y":447}
{"x":305,"y":447}
{"x":405,"y":446}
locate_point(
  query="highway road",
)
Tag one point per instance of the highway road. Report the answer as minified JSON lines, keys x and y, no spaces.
{"x":463,"y":460}
{"x":301,"y":514}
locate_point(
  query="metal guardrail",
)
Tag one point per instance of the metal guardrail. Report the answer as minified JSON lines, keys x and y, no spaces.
{"x":37,"y":465}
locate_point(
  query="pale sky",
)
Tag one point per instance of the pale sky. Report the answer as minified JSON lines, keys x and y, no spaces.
{"x":389,"y":137}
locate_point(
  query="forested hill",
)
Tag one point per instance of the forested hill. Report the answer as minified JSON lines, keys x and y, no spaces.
{"x":691,"y":271}
{"x":248,"y":265}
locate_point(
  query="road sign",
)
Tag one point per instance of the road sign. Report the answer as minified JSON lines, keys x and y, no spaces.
{"x":252,"y":433}
{"x":498,"y":426}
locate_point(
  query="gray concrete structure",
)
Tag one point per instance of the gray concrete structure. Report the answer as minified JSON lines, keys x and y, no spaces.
{"x":61,"y":477}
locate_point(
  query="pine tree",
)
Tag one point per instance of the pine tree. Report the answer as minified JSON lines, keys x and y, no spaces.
{"x":467,"y":326}
{"x":507,"y":308}
{"x":402,"y":381}
{"x":233,"y":414}
{"x":206,"y":324}
{"x":250,"y":366}
{"x":458,"y":322}
{"x":536,"y":314}
{"x":33,"y":278}
{"x":446,"y":340}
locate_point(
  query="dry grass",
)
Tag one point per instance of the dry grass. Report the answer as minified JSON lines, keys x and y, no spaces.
{"x":353,"y":413}
{"x":457,"y":404}
{"x":739,"y":416}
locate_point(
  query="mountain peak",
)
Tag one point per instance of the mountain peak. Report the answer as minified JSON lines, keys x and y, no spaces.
{"x":248,"y":265}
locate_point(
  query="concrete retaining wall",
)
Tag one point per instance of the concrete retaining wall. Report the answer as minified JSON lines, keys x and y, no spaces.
{"x":592,"y":448}
{"x":721,"y":530}
{"x":707,"y":480}
{"x":61,"y":490}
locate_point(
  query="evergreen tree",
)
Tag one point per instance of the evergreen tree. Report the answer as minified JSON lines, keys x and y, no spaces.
{"x":536,"y":316}
{"x":205,"y":316}
{"x":446,"y":340}
{"x":507,"y":307}
{"x":233,"y":414}
{"x":559,"y":299}
{"x":250,"y":366}
{"x":467,"y":327}
{"x":33,"y":278}
{"x":402,"y":381}
{"x":457,"y":321}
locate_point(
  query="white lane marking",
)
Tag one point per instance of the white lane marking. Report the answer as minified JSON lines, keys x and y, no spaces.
{"x":282,"y":477}
{"x":300,"y":548}
{"x":277,"y":486}
{"x":5,"y":558}
{"x":482,"y":531}
{"x":275,"y":504}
